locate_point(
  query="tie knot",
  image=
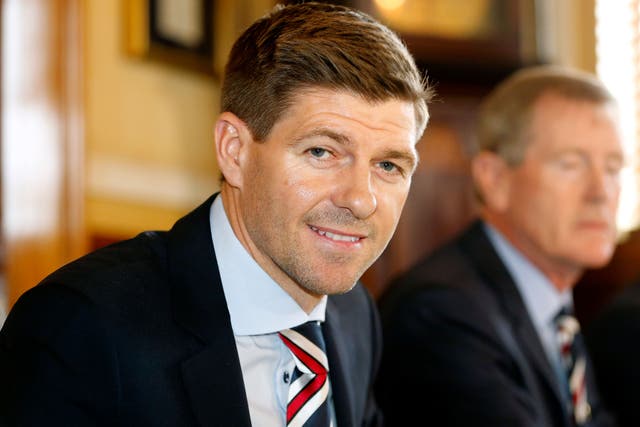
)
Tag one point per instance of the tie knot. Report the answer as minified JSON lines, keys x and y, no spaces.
{"x":307,"y":347}
{"x":313,"y":332}
{"x":567,"y":324}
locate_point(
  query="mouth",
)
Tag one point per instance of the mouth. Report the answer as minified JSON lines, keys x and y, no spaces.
{"x":601,"y":228}
{"x":335,"y":236}
{"x":596,"y":224}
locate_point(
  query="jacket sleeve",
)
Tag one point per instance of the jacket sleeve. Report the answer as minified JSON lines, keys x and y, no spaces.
{"x":55,"y":364}
{"x":612,"y":340}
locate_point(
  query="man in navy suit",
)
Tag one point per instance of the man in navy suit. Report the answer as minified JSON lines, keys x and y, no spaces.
{"x":612,"y":338}
{"x":321,"y":109}
{"x":480,"y":331}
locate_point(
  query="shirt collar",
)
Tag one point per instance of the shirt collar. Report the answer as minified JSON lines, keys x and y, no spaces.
{"x":256,"y":303}
{"x":542,"y":299}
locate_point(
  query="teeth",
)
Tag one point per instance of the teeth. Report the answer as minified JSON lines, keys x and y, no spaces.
{"x":336,"y":237}
{"x":340,"y":238}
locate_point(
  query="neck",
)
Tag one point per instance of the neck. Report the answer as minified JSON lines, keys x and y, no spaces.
{"x":233,"y":209}
{"x":563,"y":275}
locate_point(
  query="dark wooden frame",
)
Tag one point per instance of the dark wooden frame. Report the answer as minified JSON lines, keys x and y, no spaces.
{"x":485,"y":61}
{"x":143,"y":37}
{"x":512,"y":47}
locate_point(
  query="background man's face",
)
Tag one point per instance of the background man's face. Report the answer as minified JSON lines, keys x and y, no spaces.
{"x":563,"y":198}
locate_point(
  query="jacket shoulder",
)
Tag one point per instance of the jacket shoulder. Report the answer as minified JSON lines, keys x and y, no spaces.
{"x":121,"y":264}
{"x":115,"y":279}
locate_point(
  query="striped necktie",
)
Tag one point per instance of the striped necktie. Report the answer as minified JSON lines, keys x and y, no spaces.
{"x":574,"y":361}
{"x":307,"y":404}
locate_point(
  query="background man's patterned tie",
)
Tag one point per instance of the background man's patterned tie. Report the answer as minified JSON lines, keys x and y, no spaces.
{"x":574,"y":360}
{"x":307,"y":402}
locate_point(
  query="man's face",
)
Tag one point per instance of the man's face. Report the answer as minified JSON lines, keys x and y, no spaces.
{"x":562,"y":199}
{"x":322,"y":195}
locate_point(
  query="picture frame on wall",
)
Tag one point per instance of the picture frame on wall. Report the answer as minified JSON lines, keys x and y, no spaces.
{"x":476,"y":41}
{"x":175,"y":32}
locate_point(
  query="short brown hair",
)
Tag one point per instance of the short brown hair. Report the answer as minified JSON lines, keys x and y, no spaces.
{"x":317,"y":45}
{"x":506,"y":112}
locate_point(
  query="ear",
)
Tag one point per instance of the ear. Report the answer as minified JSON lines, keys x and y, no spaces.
{"x":492,"y":177}
{"x":232,"y":136}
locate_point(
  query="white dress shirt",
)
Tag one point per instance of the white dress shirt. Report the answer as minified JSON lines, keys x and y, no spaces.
{"x":541,"y":298}
{"x":259,"y":308}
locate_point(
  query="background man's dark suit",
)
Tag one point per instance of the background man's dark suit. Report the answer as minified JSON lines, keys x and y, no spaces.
{"x":147,"y":341}
{"x":461,"y":350}
{"x":614,"y":341}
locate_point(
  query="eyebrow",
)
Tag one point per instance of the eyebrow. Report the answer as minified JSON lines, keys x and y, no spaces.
{"x":338,"y":137}
{"x":412,"y":159}
{"x":616,"y":154}
{"x":409,"y":157}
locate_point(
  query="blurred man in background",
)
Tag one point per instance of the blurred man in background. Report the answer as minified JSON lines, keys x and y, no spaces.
{"x":482,"y":331}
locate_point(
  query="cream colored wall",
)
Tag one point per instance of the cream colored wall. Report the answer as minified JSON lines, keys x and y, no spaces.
{"x":149,"y":141}
{"x":149,"y":146}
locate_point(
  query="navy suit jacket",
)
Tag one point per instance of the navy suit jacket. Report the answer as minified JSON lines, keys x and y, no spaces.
{"x":138,"y":334}
{"x":457,"y":333}
{"x":614,"y":341}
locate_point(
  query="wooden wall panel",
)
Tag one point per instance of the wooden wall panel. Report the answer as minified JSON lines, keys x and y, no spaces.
{"x":42,"y":174}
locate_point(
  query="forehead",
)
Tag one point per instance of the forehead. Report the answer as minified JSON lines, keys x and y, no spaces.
{"x":312,"y":107}
{"x":558,"y":122}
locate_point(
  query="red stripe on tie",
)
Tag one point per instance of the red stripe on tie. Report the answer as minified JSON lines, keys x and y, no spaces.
{"x":305,"y":394}
{"x":308,"y":391}
{"x":308,"y":360}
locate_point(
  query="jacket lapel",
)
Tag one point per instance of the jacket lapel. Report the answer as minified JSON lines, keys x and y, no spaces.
{"x":212,"y":376}
{"x":479,"y":249}
{"x":343,"y":393}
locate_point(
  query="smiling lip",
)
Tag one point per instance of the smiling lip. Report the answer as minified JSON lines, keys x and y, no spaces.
{"x":337,"y":237}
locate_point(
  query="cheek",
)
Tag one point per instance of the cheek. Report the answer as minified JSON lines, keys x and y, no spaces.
{"x":614,"y":200}
{"x":547,"y":195}
{"x":391,"y":203}
{"x":302,"y":192}
{"x":538,"y":210}
{"x":559,"y":216}
{"x":302,"y":184}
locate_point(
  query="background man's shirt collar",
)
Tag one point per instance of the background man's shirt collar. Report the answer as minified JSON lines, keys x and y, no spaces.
{"x":542,"y":299}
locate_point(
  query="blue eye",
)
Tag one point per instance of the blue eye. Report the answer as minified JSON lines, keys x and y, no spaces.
{"x":569,"y":163}
{"x":318,"y":152}
{"x":388,"y":166}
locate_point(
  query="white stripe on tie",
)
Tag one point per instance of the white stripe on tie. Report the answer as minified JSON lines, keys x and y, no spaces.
{"x":308,"y":346}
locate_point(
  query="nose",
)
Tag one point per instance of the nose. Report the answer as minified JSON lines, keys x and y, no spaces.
{"x":355,"y":192}
{"x":602,"y":185}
